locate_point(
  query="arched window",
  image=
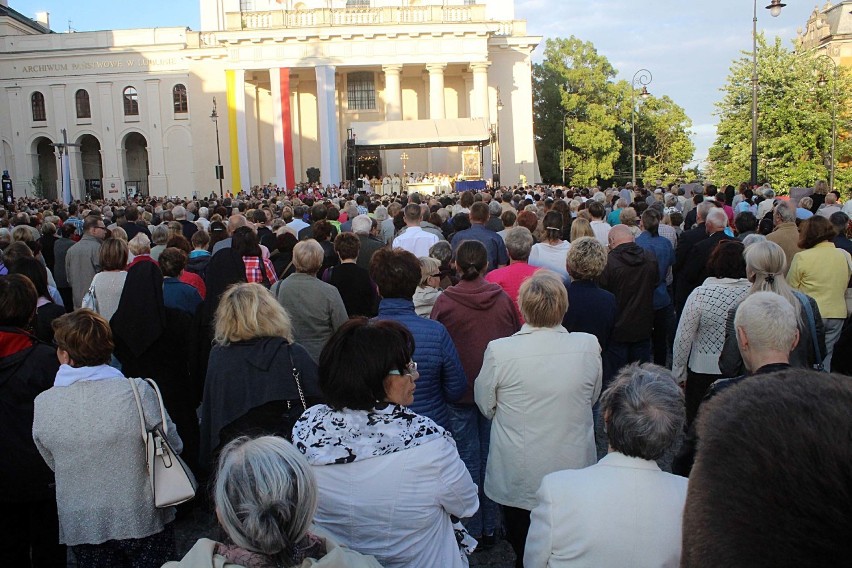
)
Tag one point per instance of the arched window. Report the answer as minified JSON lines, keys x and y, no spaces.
{"x":361,"y":91}
{"x":39,"y":112}
{"x":131,"y":102}
{"x":179,"y":98}
{"x":84,"y":110}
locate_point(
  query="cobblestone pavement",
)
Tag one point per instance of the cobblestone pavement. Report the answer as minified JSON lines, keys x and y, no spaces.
{"x":200,"y":523}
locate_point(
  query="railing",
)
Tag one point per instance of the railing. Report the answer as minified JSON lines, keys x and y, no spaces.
{"x":354,"y":17}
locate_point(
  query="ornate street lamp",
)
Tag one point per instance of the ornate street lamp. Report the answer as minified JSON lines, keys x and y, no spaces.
{"x":220,"y":172}
{"x":642,"y":77}
{"x":774,"y":10}
{"x":822,"y":82}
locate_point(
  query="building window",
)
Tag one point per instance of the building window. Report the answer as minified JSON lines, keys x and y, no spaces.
{"x":357,"y":3}
{"x":361,"y":90}
{"x":246,"y":5}
{"x":179,"y":99}
{"x":131,"y":102}
{"x":470,"y":2}
{"x":84,"y":109}
{"x":39,"y":112}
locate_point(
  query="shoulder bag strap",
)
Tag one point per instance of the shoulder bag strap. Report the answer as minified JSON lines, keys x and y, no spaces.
{"x":139,"y":408}
{"x":263,"y":274}
{"x":296,"y":376}
{"x":165,"y":426}
{"x":811,"y":323}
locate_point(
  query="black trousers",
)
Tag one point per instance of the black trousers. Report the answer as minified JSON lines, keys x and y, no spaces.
{"x":517,"y":527}
{"x":696,"y":387}
{"x":29,"y":535}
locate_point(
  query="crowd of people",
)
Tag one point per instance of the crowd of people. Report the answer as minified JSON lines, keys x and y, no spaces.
{"x":601,"y":377}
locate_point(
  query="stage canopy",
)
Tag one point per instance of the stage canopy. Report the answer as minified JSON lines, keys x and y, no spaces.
{"x":401,"y":134}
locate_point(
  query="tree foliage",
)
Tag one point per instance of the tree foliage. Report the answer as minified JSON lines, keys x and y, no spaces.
{"x":794,"y":120}
{"x":574,"y":88}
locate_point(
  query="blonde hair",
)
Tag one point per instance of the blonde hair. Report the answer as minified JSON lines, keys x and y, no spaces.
{"x":307,"y":256}
{"x":119,"y":234}
{"x":765,"y":263}
{"x":586,"y":258}
{"x":581,"y":228}
{"x":248,"y":311}
{"x":543,"y":299}
{"x":428,"y":267}
{"x":140,"y":244}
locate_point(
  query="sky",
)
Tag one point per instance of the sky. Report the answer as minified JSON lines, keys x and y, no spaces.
{"x":688,"y":46}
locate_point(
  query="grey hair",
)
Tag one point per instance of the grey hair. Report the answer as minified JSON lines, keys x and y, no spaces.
{"x":362,"y":224}
{"x":702,"y":209}
{"x":160,"y":234}
{"x":786,"y":213}
{"x":265,"y":495}
{"x":442,"y":251}
{"x":752,"y":239}
{"x":644,"y":411}
{"x":519,"y":242}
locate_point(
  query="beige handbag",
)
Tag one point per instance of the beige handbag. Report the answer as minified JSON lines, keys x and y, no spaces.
{"x":172,"y":483}
{"x":848,"y":302}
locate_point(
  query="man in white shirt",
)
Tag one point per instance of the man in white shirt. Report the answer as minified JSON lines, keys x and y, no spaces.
{"x":414,"y":239}
{"x":599,"y":226}
{"x":624,"y":510}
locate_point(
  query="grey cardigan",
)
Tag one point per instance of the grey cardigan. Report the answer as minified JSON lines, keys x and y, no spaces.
{"x":89,"y":435}
{"x":315,"y":309}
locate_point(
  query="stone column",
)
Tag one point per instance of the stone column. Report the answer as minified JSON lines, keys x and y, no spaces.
{"x":296,"y":121}
{"x":157,"y":181}
{"x":436,"y":90}
{"x":393,"y":92}
{"x":111,"y":150}
{"x":480,"y":89}
{"x":242,"y":134}
{"x":329,"y":135}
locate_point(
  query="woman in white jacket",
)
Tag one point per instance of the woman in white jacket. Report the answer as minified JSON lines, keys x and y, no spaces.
{"x":538,"y":387}
{"x":389,"y":480}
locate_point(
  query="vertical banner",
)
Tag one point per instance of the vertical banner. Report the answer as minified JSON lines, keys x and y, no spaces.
{"x":233,"y":145}
{"x":328,"y":130}
{"x":287,"y":128}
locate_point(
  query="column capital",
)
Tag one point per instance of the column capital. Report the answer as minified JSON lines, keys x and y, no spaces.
{"x":393,"y":69}
{"x":436,"y":68}
{"x":480,"y":66}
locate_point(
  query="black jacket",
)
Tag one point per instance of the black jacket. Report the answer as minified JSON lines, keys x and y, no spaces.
{"x":631,"y":274}
{"x":695,"y":271}
{"x":25,"y":372}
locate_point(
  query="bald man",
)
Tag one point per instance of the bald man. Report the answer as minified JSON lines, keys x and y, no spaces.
{"x":630,"y":274}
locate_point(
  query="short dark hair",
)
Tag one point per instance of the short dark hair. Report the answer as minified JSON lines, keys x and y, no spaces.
{"x":244,"y":242}
{"x":471,"y":259}
{"x":18,"y":297}
{"x":86,"y":336}
{"x":352,"y":371}
{"x":179,"y":241}
{"x":726,"y":260}
{"x":322,"y":231}
{"x":479,"y":212}
{"x":651,"y":221}
{"x":529,"y":220}
{"x":131,"y":213}
{"x":461,"y":221}
{"x":840,"y":222}
{"x":396,"y":272}
{"x":318,"y":212}
{"x":200,"y":239}
{"x":815,"y":230}
{"x":772,"y":476}
{"x":745,"y":222}
{"x":466,"y":199}
{"x":347,"y":245}
{"x":34,"y":270}
{"x":172,"y":260}
{"x":596,"y":210}
{"x":413,"y":212}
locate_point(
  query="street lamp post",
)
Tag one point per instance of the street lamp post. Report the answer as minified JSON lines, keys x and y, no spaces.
{"x":774,"y":10}
{"x":495,"y":159}
{"x":822,"y":81}
{"x":643,"y":77}
{"x":220,"y":172}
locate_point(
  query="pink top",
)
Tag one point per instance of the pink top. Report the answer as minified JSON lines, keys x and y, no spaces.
{"x":510,"y":279}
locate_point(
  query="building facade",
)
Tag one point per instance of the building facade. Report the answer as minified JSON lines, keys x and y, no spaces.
{"x":290,"y":82}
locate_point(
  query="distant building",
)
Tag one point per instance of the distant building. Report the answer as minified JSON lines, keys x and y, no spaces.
{"x":829,"y":30}
{"x":292,"y":80}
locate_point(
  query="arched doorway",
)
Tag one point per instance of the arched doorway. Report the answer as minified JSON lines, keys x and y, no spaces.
{"x":135,"y":164}
{"x":91,"y":166}
{"x":45,"y":177}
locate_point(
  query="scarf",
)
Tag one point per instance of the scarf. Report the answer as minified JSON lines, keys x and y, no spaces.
{"x":328,"y":436}
{"x":68,"y":375}
{"x":309,"y":547}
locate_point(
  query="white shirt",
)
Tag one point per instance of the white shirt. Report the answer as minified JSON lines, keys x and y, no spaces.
{"x":623,"y":511}
{"x":601,"y":230}
{"x":397,"y":507}
{"x":552,"y":257}
{"x":416,"y":241}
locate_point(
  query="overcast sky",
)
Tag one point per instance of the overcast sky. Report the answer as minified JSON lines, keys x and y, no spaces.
{"x":687,"y":45}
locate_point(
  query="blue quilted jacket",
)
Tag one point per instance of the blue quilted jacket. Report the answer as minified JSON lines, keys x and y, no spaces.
{"x":442,"y":378}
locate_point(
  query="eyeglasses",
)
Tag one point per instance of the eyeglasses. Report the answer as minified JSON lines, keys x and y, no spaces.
{"x":410,"y":369}
{"x":435,"y":275}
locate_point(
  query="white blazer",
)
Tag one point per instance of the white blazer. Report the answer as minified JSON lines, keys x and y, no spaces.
{"x":622,"y":511}
{"x":397,"y":507}
{"x":538,"y":386}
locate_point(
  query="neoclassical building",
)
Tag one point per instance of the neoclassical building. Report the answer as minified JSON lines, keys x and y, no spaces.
{"x":294,"y":83}
{"x":829,"y":31}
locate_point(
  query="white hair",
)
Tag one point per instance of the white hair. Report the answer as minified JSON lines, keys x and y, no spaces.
{"x":362,"y":225}
{"x":717,"y":218}
{"x":203,"y":212}
{"x":759,"y":308}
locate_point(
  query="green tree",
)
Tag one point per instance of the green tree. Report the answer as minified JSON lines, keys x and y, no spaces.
{"x":573,"y":86}
{"x":794,"y":120}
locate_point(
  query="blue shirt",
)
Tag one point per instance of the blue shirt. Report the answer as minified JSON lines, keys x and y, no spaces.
{"x":663,"y":250}
{"x":494,"y":245}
